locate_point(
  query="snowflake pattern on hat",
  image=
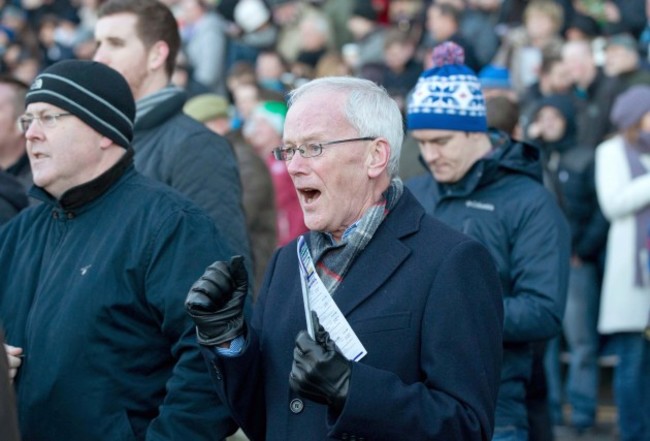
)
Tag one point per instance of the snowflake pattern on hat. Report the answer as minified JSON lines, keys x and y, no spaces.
{"x":448,"y":96}
{"x":455,"y":95}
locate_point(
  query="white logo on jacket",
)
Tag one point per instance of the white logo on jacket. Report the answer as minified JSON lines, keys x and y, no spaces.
{"x":480,"y":205}
{"x":85,"y":269}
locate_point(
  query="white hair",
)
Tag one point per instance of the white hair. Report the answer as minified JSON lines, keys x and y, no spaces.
{"x":368,"y":108}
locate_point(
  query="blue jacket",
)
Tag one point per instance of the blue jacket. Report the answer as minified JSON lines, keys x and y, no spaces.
{"x":425,"y":302}
{"x":503,"y":204}
{"x":92,"y":288}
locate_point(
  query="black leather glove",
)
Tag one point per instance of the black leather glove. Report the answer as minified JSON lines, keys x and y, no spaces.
{"x":320,"y":372}
{"x":216,"y":302}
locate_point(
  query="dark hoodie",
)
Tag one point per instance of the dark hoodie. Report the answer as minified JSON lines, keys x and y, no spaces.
{"x":12,"y":197}
{"x":502,"y":203}
{"x":569,"y":174}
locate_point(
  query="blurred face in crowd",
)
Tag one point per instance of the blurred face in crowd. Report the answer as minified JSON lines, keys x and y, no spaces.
{"x":262,"y":136}
{"x":578,"y":57}
{"x":9,"y":131}
{"x":558,"y":78}
{"x":27,"y":69}
{"x":58,"y":164}
{"x":439,"y":25}
{"x":268,"y":65}
{"x":312,"y":34}
{"x":246,"y":97}
{"x":551,"y":123}
{"x":336,"y":188}
{"x":619,"y":60}
{"x":540,"y":26}
{"x":397,"y":55}
{"x":119,"y":47}
{"x":190,"y":11}
{"x":359,"y":27}
{"x":449,"y":154}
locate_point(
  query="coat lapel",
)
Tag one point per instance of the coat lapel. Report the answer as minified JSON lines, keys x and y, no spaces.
{"x":382,"y":256}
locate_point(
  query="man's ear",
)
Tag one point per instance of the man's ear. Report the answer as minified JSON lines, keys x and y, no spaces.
{"x":105,"y":142}
{"x":158,"y":54}
{"x":378,"y":157}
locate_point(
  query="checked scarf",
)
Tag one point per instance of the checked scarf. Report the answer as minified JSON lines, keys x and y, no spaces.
{"x":332,"y":260}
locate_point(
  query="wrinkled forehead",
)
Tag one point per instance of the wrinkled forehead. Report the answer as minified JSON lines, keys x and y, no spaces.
{"x":317,"y":117}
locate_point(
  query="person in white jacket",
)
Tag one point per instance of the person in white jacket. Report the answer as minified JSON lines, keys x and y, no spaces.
{"x":623,"y":187}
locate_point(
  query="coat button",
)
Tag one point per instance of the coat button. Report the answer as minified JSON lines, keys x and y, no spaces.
{"x":296,"y":405}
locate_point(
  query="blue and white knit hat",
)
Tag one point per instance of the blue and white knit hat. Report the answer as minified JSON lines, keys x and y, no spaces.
{"x":447,"y":96}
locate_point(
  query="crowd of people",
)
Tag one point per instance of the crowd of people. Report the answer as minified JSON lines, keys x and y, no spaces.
{"x":468,"y":180}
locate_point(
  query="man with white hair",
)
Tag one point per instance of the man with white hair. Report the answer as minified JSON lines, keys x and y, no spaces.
{"x":403,"y":315}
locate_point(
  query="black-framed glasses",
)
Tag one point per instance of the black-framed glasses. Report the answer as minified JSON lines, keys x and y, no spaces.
{"x":48,"y":120}
{"x":312,"y":149}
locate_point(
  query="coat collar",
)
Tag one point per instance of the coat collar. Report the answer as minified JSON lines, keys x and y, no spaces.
{"x":369,"y":272}
{"x":155,"y":109}
{"x":507,"y":157}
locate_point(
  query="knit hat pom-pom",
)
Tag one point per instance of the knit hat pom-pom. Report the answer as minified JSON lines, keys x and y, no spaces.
{"x":448,"y":53}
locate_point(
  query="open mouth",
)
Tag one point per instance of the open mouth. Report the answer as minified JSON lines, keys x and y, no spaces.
{"x":309,"y":195}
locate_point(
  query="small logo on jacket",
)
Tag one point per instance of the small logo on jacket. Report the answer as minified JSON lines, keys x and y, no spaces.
{"x":479,"y":205}
{"x":84,"y":269}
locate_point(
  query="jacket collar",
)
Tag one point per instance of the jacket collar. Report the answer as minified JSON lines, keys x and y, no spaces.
{"x":507,"y":157}
{"x":155,"y":109}
{"x":402,"y":221}
{"x":81,"y":195}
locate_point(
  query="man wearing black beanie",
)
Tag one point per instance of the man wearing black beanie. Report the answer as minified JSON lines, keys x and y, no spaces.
{"x":92,"y":280}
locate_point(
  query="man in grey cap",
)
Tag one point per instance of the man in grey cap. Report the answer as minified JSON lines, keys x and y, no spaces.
{"x":623,"y":62}
{"x":92,"y":280}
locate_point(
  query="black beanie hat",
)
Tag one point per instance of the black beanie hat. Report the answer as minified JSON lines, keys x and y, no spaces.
{"x":93,"y":92}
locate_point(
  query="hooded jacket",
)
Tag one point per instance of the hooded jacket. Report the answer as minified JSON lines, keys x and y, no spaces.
{"x":502,"y":203}
{"x":569,"y":174}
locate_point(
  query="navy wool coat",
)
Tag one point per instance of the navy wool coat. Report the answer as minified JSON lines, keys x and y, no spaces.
{"x":426,"y":303}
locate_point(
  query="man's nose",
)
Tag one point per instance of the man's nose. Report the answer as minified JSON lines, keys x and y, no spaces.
{"x":100,"y":56}
{"x":296,"y":163}
{"x":429,"y":152}
{"x":34,"y":130}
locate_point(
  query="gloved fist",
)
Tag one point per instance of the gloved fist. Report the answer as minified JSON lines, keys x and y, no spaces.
{"x":320,"y":372}
{"x":216,"y":302}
